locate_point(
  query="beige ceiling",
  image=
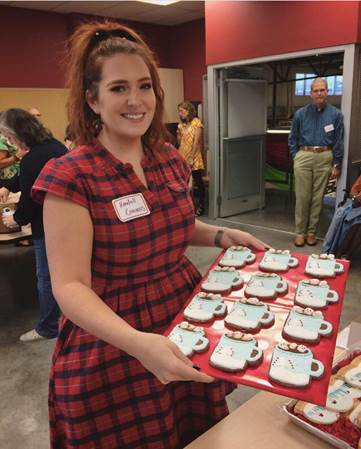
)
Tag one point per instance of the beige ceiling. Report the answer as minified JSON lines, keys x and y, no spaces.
{"x":173,"y":14}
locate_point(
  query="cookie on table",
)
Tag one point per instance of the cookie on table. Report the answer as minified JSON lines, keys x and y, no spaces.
{"x":222,"y":280}
{"x":237,"y":257}
{"x":355,"y":415}
{"x":351,"y":373}
{"x":314,"y":293}
{"x":205,"y":307}
{"x":341,"y":397}
{"x":249,"y":315}
{"x":265,"y":286}
{"x":278,"y":260}
{"x":323,"y":266}
{"x":235,"y":351}
{"x":306,"y":325}
{"x":316,"y":413}
{"x":293,"y":365}
{"x":189,"y":338}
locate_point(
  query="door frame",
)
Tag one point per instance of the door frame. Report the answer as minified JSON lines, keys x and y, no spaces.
{"x":213,"y":100}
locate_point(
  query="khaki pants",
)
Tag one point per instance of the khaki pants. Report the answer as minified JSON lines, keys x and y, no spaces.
{"x":312,"y":171}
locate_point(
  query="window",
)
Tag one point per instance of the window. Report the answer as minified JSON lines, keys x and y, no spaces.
{"x":304,"y":81}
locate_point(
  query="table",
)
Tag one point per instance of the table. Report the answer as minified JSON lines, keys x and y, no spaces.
{"x":259,"y":424}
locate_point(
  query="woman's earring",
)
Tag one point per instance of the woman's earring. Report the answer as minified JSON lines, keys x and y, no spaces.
{"x":97,"y":124}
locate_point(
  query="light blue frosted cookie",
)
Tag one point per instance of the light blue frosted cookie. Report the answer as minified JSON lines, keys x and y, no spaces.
{"x":306,"y":325}
{"x":235,"y":351}
{"x":222,"y":280}
{"x":323,"y":266}
{"x":277,"y":260}
{"x":205,"y":307}
{"x":189,"y":338}
{"x":237,"y":256}
{"x":265,"y":286}
{"x":315,"y":294}
{"x":249,"y":315}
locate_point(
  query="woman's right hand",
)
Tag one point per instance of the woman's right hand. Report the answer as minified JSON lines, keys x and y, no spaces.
{"x":21,"y":153}
{"x":165,"y":360}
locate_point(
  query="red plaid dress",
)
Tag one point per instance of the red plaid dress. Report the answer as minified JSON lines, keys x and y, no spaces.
{"x":99,"y":396}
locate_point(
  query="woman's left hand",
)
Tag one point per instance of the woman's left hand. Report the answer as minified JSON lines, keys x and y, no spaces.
{"x":236,"y":237}
{"x":9,"y":221}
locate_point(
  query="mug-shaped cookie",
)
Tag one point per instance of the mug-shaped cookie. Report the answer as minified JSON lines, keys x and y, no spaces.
{"x":293,"y":365}
{"x":237,"y":256}
{"x":277,"y":260}
{"x":265,"y":286}
{"x":323,"y":265}
{"x":314,"y":293}
{"x":306,"y":325}
{"x":234,"y":351}
{"x":205,"y":307}
{"x":189,"y":338}
{"x":249,"y":314}
{"x":341,"y":397}
{"x":222,"y":279}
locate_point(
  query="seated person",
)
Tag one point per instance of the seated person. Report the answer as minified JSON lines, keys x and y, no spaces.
{"x":346,"y":217}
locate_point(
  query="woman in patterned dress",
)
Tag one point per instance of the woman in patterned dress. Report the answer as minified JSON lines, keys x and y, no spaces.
{"x":189,"y":136}
{"x":118,"y":217}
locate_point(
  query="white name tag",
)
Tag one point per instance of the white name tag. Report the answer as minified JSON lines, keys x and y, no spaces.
{"x":329,"y":128}
{"x":130,"y":207}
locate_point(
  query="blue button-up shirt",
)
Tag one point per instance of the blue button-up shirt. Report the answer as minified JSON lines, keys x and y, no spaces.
{"x":311,"y":127}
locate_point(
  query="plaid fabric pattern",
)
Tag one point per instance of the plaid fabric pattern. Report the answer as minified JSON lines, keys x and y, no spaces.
{"x":99,"y":397}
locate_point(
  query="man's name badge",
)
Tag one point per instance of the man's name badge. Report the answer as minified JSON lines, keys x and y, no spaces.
{"x":130,"y":207}
{"x":329,"y":128}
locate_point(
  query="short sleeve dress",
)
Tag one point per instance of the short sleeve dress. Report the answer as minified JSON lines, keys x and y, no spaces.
{"x":188,"y":131}
{"x":99,"y":396}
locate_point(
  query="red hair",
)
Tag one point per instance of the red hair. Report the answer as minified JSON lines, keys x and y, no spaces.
{"x":87,"y":49}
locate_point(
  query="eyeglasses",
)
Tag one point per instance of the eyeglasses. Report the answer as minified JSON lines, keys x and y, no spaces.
{"x":102,"y":35}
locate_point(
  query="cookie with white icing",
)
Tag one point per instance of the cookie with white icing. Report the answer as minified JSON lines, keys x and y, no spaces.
{"x":235,"y":351}
{"x":222,"y":280}
{"x":189,"y":338}
{"x":341,"y":397}
{"x":293,"y":365}
{"x":323,"y":266}
{"x":314,"y":293}
{"x":355,"y":415}
{"x":306,"y":325}
{"x":277,"y":260}
{"x":237,"y":257}
{"x":265,"y":286}
{"x":316,"y":413}
{"x":249,"y":315}
{"x":205,"y":307}
{"x":352,"y":373}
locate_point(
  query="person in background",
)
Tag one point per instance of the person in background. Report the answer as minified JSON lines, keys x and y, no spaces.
{"x":346,"y":217}
{"x":68,"y":139}
{"x":118,"y":218}
{"x":189,"y":136}
{"x":316,"y":146}
{"x":31,"y":134}
{"x":35,"y":112}
{"x":10,"y":156}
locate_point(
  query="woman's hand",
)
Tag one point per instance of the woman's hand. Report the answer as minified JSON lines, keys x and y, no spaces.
{"x":4,"y":194}
{"x":9,"y":221}
{"x":21,"y":153}
{"x":236,"y":237}
{"x":165,"y":360}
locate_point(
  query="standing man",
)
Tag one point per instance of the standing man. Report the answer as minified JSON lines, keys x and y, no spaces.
{"x":316,"y":146}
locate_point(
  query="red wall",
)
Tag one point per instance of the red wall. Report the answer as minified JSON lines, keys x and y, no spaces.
{"x":241,"y":30}
{"x":31,"y":44}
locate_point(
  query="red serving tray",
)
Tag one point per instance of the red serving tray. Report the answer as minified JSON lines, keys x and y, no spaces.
{"x":257,"y":377}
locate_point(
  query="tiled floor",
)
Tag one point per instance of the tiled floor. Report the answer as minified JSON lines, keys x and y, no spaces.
{"x":24,"y":367}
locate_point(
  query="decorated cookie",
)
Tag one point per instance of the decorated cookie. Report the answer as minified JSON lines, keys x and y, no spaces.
{"x":306,"y":325}
{"x":341,"y":397}
{"x":277,"y":260}
{"x":205,"y":307}
{"x":237,"y":256}
{"x":293,"y":365}
{"x":189,"y":338}
{"x":222,"y":280}
{"x":352,"y":373}
{"x":355,"y":415}
{"x":265,"y":286}
{"x":323,"y":266}
{"x":316,"y":413}
{"x":314,"y":293}
{"x":235,"y":351}
{"x":249,"y":315}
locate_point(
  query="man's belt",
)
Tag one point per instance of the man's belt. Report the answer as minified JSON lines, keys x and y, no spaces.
{"x":315,"y":149}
